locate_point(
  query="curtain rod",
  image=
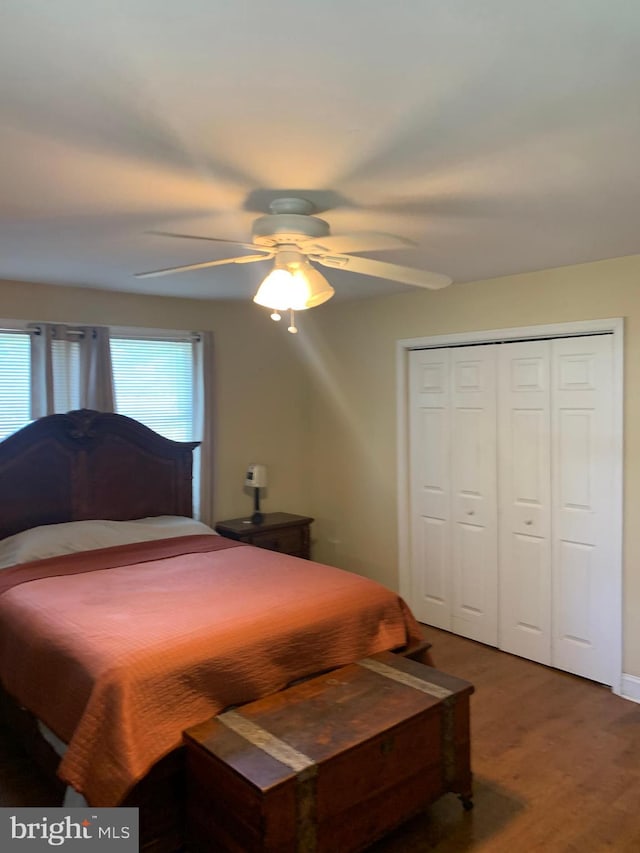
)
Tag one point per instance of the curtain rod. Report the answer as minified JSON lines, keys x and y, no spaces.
{"x":123,"y":336}
{"x":36,"y":330}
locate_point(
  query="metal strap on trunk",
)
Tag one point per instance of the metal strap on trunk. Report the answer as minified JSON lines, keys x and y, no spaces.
{"x":264,"y":740}
{"x":305,"y":768}
{"x":405,"y":678}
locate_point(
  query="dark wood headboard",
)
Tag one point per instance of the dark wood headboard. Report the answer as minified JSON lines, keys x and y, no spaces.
{"x":91,"y":465}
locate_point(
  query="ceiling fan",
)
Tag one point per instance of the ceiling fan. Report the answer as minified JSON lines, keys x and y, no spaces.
{"x":294,"y":238}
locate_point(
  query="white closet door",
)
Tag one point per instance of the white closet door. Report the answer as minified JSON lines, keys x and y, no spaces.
{"x":524,"y":464}
{"x":430,"y":484}
{"x":473,"y":493}
{"x":583,"y":448}
{"x":511,"y":453}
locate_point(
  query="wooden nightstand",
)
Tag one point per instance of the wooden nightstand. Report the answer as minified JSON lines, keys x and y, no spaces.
{"x":280,"y":531}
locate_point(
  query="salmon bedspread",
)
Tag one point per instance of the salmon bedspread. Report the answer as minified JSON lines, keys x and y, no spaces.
{"x":119,"y":650}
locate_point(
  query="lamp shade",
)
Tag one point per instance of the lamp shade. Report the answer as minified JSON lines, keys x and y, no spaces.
{"x":295,"y":287}
{"x":256,"y":476}
{"x":318,"y":289}
{"x":277,"y":291}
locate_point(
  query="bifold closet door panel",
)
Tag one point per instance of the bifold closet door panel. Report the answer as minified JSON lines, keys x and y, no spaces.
{"x":430,"y":486}
{"x":524,"y":465}
{"x":583,"y":452}
{"x":473,"y":493}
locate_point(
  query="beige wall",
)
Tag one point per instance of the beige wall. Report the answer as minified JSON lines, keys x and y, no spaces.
{"x":349,"y":350}
{"x":259,"y":392}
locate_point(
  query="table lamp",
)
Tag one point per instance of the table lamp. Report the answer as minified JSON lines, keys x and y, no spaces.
{"x":256,"y":479}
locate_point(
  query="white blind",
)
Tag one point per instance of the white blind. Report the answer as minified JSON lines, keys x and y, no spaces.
{"x":65,"y":355}
{"x":15,"y":379}
{"x":154,"y":383}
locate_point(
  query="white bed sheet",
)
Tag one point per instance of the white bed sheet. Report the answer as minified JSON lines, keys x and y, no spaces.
{"x":55,"y":540}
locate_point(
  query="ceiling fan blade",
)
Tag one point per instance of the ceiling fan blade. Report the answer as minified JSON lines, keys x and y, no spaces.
{"x":210,"y":240}
{"x":361,"y":241}
{"x":243,"y":259}
{"x":381,"y":269}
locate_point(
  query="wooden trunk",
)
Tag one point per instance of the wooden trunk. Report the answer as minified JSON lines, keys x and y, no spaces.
{"x":330,"y":764}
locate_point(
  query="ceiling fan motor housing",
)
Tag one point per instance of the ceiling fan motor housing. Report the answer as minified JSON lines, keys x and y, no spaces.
{"x":289,"y":222}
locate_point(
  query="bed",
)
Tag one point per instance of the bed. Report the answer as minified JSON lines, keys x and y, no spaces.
{"x":146,"y":622}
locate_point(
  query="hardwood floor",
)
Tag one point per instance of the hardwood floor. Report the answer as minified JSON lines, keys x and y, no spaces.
{"x":556,"y":763}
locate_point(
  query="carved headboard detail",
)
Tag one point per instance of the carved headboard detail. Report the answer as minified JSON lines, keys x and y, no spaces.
{"x":88,"y":464}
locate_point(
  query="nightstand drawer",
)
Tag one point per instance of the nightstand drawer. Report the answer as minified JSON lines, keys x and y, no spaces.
{"x":287,"y":541}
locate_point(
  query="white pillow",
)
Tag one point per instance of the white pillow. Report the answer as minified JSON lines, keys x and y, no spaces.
{"x":53,"y":540}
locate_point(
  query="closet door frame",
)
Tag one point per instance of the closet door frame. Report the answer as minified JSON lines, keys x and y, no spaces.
{"x":613,"y":326}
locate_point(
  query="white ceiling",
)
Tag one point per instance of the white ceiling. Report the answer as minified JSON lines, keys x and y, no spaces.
{"x":501,"y":136}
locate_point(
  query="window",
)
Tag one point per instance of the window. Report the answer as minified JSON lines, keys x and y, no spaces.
{"x":65,"y":357}
{"x":155,"y":376}
{"x":153,"y":382}
{"x":15,"y":385}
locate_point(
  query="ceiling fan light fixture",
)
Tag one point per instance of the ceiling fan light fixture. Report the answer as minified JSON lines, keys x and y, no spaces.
{"x":296,"y":286}
{"x":276,"y":291}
